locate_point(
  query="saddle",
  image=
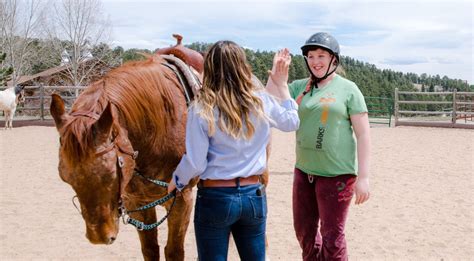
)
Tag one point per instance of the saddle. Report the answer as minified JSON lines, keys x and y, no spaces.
{"x":187,"y":76}
{"x":189,"y":56}
{"x":187,"y":64}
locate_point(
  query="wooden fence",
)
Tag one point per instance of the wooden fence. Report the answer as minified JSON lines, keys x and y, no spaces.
{"x":458,"y":114}
{"x":38,"y":99}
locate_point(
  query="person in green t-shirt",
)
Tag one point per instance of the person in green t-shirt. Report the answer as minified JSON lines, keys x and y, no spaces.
{"x":328,"y":170}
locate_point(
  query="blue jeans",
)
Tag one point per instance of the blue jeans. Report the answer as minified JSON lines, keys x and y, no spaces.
{"x":237,"y":210}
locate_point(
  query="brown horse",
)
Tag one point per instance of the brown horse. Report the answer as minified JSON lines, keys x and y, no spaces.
{"x":138,"y":107}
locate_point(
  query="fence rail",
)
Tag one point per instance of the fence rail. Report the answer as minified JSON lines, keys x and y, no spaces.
{"x":37,"y":102}
{"x":462,"y":109}
{"x":380,"y":110}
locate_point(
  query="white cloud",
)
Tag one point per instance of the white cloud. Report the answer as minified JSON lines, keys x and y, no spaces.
{"x":418,"y":36}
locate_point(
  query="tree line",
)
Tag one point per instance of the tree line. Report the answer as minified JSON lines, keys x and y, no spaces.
{"x":371,"y":80}
{"x":5,"y":72}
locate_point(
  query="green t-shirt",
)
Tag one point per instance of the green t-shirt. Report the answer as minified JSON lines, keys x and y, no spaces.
{"x":325,"y":143}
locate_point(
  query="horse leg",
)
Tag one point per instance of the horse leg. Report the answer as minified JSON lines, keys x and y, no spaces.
{"x":149,"y":238}
{"x":178,"y":221}
{"x":12,"y":114}
{"x":7,"y":119}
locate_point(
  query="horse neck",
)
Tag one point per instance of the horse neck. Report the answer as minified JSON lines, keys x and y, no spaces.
{"x":157,"y":158}
{"x":7,"y":98}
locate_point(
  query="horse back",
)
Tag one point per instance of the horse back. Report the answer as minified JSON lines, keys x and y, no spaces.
{"x":7,"y":99}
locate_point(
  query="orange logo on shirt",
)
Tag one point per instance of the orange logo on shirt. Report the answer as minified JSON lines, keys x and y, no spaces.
{"x":327,"y":100}
{"x":325,"y":113}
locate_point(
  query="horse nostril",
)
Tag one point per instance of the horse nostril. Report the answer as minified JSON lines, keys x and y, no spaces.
{"x":111,"y":240}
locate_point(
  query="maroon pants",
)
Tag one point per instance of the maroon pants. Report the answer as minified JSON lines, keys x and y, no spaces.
{"x":325,"y":201}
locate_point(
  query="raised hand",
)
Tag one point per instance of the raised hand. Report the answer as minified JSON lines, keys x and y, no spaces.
{"x":277,"y":84}
{"x":281,"y":65}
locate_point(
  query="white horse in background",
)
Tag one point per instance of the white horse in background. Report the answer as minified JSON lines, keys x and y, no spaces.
{"x":9,"y":99}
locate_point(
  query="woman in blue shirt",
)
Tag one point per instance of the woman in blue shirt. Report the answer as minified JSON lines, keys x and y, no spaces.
{"x":227,"y":131}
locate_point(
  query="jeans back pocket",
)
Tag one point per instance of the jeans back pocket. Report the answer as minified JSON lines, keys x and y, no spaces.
{"x":259,"y":205}
{"x":213,"y":210}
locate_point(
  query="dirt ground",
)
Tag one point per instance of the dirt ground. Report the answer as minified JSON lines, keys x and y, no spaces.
{"x":421,"y":206}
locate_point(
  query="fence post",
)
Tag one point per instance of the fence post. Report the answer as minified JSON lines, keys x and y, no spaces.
{"x":396,"y":107}
{"x":453,"y":120}
{"x":41,"y":102}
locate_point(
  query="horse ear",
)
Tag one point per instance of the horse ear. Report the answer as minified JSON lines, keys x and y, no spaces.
{"x":58,"y":111}
{"x":104,"y":123}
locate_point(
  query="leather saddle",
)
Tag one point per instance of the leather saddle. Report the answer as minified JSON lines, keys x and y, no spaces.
{"x":186,"y":63}
{"x":188,"y":66}
{"x":189,"y":56}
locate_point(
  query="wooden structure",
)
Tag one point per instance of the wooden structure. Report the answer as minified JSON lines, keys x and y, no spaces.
{"x":36,"y":107}
{"x":465,"y":104}
{"x":40,"y":86}
{"x":60,"y":75}
{"x":457,"y":108}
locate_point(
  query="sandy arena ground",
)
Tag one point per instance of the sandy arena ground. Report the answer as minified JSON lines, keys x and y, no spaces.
{"x":421,"y":206}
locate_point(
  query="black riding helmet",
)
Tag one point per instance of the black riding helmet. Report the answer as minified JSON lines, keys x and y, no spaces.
{"x":321,"y":40}
{"x":326,"y":42}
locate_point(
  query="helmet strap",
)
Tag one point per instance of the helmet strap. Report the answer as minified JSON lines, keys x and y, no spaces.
{"x":327,"y":72}
{"x":315,"y":80}
{"x":315,"y":85}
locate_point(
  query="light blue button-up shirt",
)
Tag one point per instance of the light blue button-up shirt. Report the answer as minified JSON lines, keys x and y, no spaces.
{"x":223,"y":157}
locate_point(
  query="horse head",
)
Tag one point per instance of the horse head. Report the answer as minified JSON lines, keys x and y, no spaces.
{"x":20,"y":95}
{"x":97,"y":160}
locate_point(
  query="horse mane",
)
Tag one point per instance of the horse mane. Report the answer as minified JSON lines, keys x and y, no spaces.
{"x":143,"y":98}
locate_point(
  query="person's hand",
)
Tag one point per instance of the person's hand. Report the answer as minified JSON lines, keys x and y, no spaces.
{"x":171,"y":186}
{"x":280,"y":68}
{"x":277,"y":84}
{"x":362,"y":190}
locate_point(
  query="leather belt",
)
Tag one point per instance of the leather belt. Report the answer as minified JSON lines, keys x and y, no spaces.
{"x":250,"y":180}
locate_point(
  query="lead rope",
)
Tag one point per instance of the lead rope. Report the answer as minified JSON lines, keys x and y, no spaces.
{"x":141,"y":225}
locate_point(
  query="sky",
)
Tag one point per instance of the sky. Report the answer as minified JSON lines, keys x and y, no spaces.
{"x":419,"y":36}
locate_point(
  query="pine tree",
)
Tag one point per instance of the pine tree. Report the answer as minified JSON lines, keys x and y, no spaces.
{"x":5,"y":72}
